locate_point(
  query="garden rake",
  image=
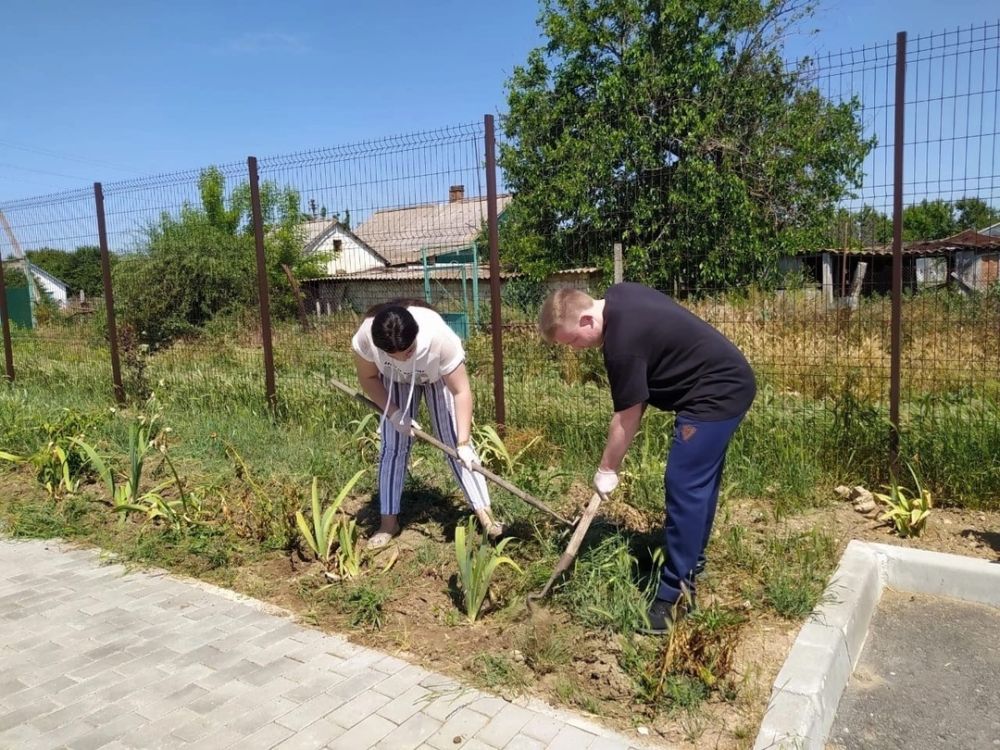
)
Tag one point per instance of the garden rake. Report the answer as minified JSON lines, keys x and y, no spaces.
{"x":449,"y":451}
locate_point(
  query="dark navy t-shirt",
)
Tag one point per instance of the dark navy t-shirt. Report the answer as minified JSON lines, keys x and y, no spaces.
{"x":657,"y":351}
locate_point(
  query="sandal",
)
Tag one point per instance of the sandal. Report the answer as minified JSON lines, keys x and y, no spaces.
{"x":493,"y":528}
{"x":379,"y":540}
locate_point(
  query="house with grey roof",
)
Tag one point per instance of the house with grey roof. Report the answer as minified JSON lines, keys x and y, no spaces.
{"x":397,"y":248}
{"x":968,"y":261}
{"x":425,"y":251}
{"x":405,"y":235}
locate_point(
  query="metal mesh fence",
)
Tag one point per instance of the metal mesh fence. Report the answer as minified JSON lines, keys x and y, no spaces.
{"x":46,"y":344}
{"x":951,"y":224}
{"x":775,"y":224}
{"x":184,"y":292}
{"x":343,"y":229}
{"x":399,"y":218}
{"x":757,"y":223}
{"x":768,"y":212}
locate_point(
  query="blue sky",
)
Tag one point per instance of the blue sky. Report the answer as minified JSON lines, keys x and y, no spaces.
{"x":140,"y":87}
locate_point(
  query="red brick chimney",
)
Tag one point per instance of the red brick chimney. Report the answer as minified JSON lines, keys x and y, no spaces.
{"x":456,"y":193}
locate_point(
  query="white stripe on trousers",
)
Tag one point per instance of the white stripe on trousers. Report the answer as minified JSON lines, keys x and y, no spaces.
{"x":395,"y":454}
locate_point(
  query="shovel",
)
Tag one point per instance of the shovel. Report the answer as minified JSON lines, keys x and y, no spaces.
{"x":449,"y":451}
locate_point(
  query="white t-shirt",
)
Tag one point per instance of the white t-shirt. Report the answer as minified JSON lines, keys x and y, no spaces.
{"x":439,"y":350}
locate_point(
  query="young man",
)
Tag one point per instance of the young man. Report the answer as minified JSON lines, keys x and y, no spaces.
{"x":658,"y":353}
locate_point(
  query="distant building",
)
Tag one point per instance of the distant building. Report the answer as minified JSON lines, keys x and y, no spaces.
{"x":969,"y":260}
{"x":55,"y":288}
{"x":427,"y":251}
{"x":347,"y":253}
{"x":404,"y":235}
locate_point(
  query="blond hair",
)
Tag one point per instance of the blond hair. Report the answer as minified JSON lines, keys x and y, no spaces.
{"x":562,"y":307}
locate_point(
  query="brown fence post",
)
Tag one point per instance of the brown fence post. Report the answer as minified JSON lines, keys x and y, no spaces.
{"x":496,"y":322}
{"x":262,"y":285}
{"x":897,"y":253}
{"x":109,"y":298}
{"x":8,"y":354}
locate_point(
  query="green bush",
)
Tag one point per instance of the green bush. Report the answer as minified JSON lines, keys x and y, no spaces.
{"x":202,"y":262}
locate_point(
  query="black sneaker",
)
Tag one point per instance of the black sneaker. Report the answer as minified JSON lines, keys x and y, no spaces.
{"x":699,"y":568}
{"x":662,"y":614}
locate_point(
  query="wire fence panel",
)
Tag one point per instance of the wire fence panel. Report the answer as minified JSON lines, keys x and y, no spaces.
{"x":775,"y":224}
{"x":400,"y":218}
{"x":749,"y":208}
{"x":763,"y":202}
{"x":184,"y":286}
{"x":951,"y":229}
{"x":39,"y":235}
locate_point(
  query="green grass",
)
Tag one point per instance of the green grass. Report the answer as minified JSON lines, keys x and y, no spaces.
{"x":795,"y":572}
{"x":785,"y":571}
{"x":678,"y":692}
{"x":366,"y":604}
{"x":684,"y":692}
{"x":545,"y":649}
{"x":41,"y":521}
{"x":954,"y":448}
{"x":499,"y":672}
{"x":603,"y":591}
{"x":790,"y":448}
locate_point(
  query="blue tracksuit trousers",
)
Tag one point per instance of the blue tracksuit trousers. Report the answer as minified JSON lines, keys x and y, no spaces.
{"x":691,"y":486}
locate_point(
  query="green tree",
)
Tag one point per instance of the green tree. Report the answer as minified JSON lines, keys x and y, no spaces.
{"x":677,"y":129}
{"x":202,"y":261}
{"x":975,"y":213}
{"x":929,"y":220}
{"x":938,"y":218}
{"x":873,"y":227}
{"x":859,"y":229}
{"x":14,"y":278}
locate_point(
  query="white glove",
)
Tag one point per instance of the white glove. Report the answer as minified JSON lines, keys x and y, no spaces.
{"x":467,"y":455}
{"x":403,"y":423}
{"x":605,"y":481}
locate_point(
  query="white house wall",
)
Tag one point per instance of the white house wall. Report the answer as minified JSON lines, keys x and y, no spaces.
{"x":352,"y":257}
{"x":55,"y":291}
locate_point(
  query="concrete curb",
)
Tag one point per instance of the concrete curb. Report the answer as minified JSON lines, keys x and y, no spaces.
{"x":939,"y":574}
{"x":808,"y":688}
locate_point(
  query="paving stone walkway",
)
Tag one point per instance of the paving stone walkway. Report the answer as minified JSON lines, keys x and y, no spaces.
{"x":92,"y":656}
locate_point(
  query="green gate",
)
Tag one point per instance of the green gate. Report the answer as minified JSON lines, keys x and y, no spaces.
{"x":460,"y":265}
{"x":19,"y":306}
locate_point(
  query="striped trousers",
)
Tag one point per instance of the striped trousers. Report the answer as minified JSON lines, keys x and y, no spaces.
{"x":396,"y":448}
